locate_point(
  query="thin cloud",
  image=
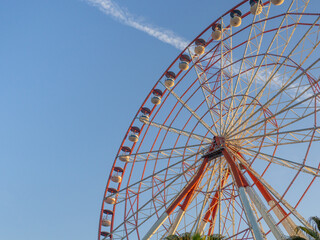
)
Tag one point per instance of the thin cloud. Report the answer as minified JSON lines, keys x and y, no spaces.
{"x":123,"y":16}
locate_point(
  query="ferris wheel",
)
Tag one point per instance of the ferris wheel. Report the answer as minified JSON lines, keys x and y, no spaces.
{"x":227,"y":141}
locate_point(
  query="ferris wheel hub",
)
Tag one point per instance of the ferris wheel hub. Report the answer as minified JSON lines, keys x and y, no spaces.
{"x":217,"y":152}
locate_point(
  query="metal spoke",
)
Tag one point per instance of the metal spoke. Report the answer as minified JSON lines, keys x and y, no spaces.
{"x":165,"y":169}
{"x":243,"y":61}
{"x":168,"y":153}
{"x":284,"y":162}
{"x":207,"y":184}
{"x":261,"y":62}
{"x":179,"y":131}
{"x":286,"y":108}
{"x":283,"y":88}
{"x":274,"y":133}
{"x":144,"y":205}
{"x":190,"y":110}
{"x":202,"y":78}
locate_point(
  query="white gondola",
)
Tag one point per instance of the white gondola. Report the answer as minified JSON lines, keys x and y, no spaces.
{"x":116,"y":178}
{"x":106,"y":219}
{"x":144,"y":118}
{"x":256,"y":7}
{"x":184,"y":66}
{"x":134,"y":137}
{"x":235,"y":20}
{"x":110,"y":200}
{"x":145,"y":113}
{"x":106,"y":222}
{"x":216,"y":35}
{"x":217,"y":32}
{"x":124,"y":158}
{"x":170,"y":77}
{"x":157,"y":94}
{"x":277,"y":2}
{"x":200,"y":46}
{"x":169,"y":82}
{"x":199,"y":50}
{"x":156,"y":100}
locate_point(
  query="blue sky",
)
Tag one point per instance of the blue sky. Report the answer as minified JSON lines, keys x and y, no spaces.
{"x":72,"y":79}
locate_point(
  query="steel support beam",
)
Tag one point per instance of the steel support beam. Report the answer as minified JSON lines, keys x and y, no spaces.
{"x":186,"y":194}
{"x":241,"y":184}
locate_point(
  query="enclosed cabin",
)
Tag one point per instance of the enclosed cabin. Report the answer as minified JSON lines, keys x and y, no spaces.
{"x":125,"y":154}
{"x":105,"y":235}
{"x":170,"y":77}
{"x":157,"y":95}
{"x":200,"y":46}
{"x":134,"y":135}
{"x":217,"y":31}
{"x":255,"y":7}
{"x":145,"y":115}
{"x":277,"y":2}
{"x":106,"y":218}
{"x":111,"y":196}
{"x":235,"y":20}
{"x":184,"y":62}
{"x":117,"y":174}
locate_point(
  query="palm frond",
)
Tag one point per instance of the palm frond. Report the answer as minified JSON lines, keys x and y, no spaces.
{"x":310,"y":232}
{"x":296,"y":238}
{"x":186,"y":236}
{"x":197,"y":236}
{"x":215,"y":237}
{"x":172,"y":237}
{"x":316,"y":222}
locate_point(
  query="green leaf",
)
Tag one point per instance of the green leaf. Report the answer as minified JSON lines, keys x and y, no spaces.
{"x":296,"y":238}
{"x":215,"y":237}
{"x":197,"y":236}
{"x":172,"y":237}
{"x":316,"y":222}
{"x":186,"y":236}
{"x":310,"y":232}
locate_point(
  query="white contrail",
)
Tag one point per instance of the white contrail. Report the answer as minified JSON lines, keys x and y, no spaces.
{"x":112,"y":9}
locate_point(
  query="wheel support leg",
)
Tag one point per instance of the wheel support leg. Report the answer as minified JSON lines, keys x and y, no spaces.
{"x":266,"y":216}
{"x":243,"y":197}
{"x":212,"y":209}
{"x":281,"y":214}
{"x":181,"y":212}
{"x":176,"y":222}
{"x":187,"y":191}
{"x":249,"y":214}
